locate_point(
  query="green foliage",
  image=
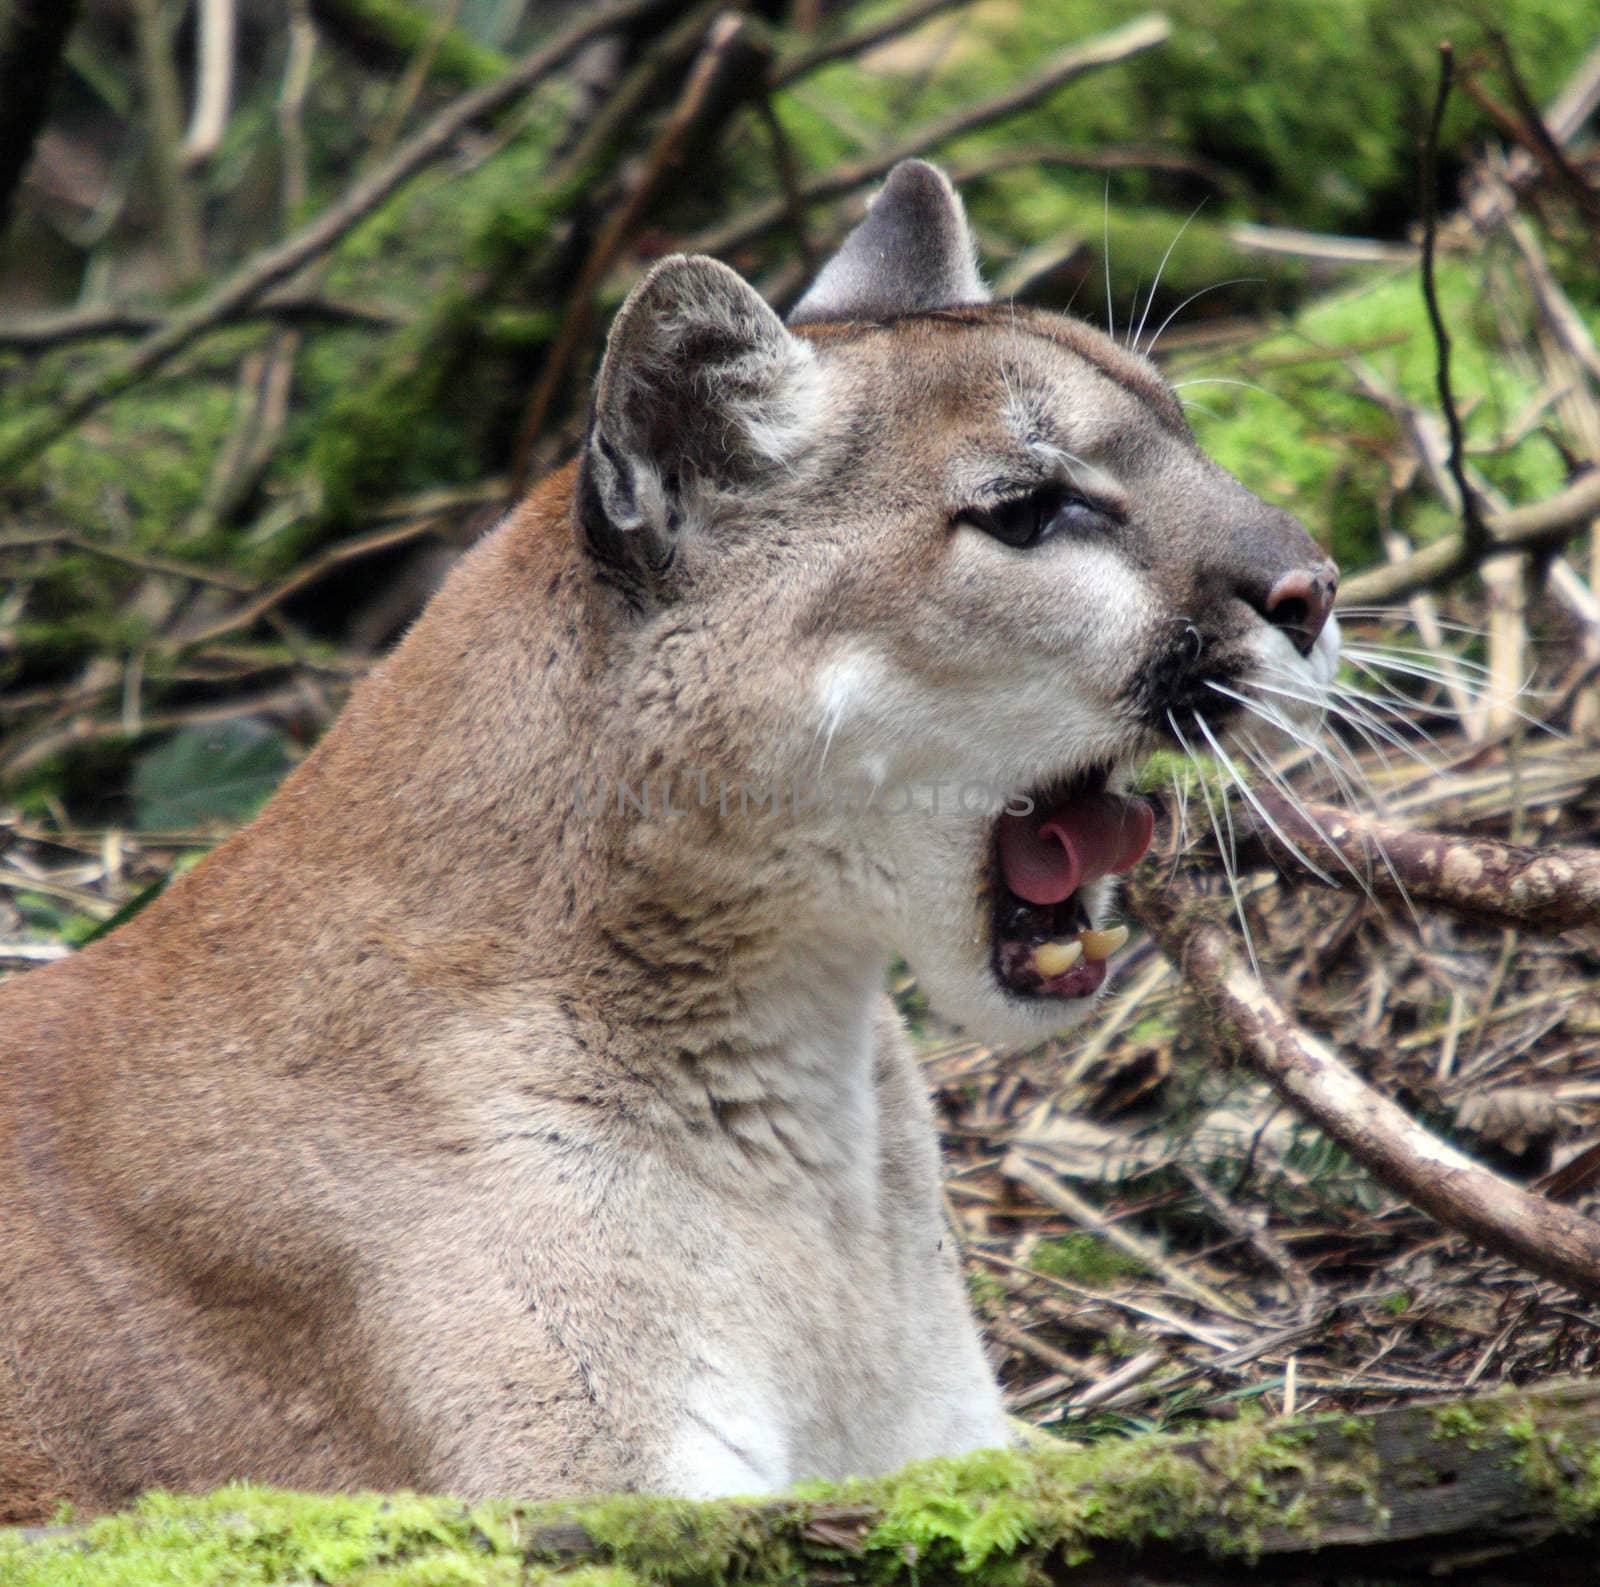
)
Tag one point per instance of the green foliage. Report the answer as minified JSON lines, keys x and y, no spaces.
{"x":215,"y":775}
{"x":1320,"y":106}
{"x":244,"y":1535}
{"x":1084,"y":1259}
{"x":1303,"y":432}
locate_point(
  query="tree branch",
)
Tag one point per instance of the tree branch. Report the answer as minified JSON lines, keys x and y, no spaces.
{"x":1539,"y":1235}
{"x":1551,"y":889}
{"x":1546,"y":523}
{"x":862,"y":40}
{"x":727,"y":50}
{"x":1109,"y":49}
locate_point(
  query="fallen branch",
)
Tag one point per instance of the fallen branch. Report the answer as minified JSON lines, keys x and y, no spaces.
{"x":1544,"y":524}
{"x":1404,"y":1496}
{"x":1551,"y":889}
{"x":1446,"y":1184}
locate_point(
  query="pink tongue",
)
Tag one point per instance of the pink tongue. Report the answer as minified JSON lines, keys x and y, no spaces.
{"x":1049,"y":855}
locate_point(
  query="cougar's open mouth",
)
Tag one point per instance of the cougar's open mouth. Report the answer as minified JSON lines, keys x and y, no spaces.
{"x":1045,"y":941}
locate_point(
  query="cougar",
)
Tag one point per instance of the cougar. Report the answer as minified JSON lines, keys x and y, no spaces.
{"x":514,"y":1107}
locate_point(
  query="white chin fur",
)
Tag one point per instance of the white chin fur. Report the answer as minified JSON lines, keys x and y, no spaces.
{"x":1324,"y":658}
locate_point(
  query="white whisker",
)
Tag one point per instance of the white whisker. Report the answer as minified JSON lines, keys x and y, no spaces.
{"x":1225,"y":847}
{"x":1327,"y":752}
{"x":1259,"y":758}
{"x":1243,"y":785}
{"x":1216,"y":286}
{"x":1133,"y":340}
{"x":1220,"y":380}
{"x":1105,"y":249}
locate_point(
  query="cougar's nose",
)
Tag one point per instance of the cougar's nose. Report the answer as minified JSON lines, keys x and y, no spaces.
{"x":1299,"y":603}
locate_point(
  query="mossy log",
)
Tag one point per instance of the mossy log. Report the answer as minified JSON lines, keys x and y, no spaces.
{"x":1502,"y":1487}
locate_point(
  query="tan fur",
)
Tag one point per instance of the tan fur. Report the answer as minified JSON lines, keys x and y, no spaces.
{"x":437,"y":1132}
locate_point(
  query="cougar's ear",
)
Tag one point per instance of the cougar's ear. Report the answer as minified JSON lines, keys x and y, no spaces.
{"x":702,"y":392}
{"x":913,"y":252}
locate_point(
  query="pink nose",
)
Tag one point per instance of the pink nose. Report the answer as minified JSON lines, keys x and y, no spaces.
{"x":1299,"y":603}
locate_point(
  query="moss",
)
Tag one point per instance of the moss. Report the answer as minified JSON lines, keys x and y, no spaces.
{"x":996,"y":1512}
{"x":244,"y":1535}
{"x":1002,"y":1516}
{"x":986,"y":1292}
{"x":1461,"y":1420}
{"x":1084,"y":1259}
{"x":1300,"y":430}
{"x":1553,"y":1469}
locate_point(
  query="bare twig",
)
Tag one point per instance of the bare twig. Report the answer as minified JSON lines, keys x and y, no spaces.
{"x":264,"y":270}
{"x":264,"y":601}
{"x":860,"y":41}
{"x":1054,"y":1192}
{"x":701,"y":91}
{"x":1319,"y":246}
{"x":1540,"y":1235}
{"x":39,"y":333}
{"x":1475,"y":535}
{"x":145,"y":562}
{"x":405,"y":93}
{"x":1528,"y":128}
{"x":1543,"y":524}
{"x":213,"y":82}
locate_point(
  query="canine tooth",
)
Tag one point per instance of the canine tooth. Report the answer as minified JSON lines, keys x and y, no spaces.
{"x":1055,"y":958}
{"x":1099,"y":945}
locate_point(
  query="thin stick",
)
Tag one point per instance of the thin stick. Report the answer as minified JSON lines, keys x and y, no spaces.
{"x":864,"y":39}
{"x":709,"y":72}
{"x":213,"y":82}
{"x":1050,"y":1189}
{"x":1475,"y":534}
{"x":1542,"y":524}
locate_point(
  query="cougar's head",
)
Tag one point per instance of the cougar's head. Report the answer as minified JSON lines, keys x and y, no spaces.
{"x":939,"y":571}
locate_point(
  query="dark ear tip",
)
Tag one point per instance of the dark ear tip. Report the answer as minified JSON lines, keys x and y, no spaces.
{"x":916,"y":178}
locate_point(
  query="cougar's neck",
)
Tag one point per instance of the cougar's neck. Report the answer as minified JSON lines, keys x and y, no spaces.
{"x":584,"y":830}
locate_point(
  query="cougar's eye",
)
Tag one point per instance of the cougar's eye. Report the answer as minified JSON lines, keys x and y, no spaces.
{"x":1027,"y":520}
